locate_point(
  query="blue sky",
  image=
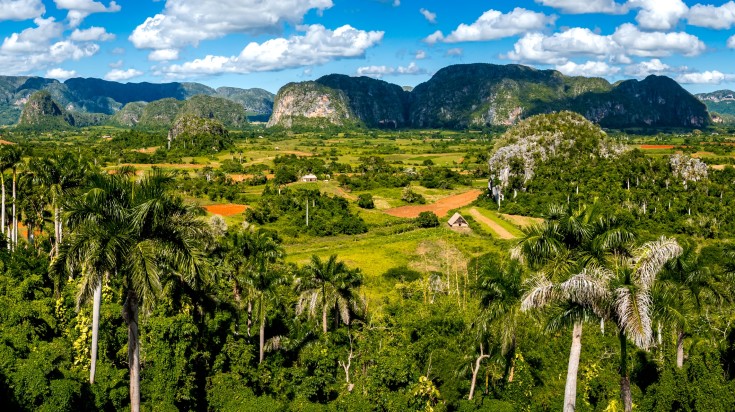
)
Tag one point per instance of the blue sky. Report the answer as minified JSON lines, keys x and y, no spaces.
{"x":267,"y":43}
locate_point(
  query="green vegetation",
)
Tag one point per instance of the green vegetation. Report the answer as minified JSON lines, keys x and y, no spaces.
{"x":197,"y":280}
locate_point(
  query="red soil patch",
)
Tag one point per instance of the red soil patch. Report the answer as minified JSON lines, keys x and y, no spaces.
{"x":229,"y":209}
{"x":441,"y":207}
{"x":5,"y":142}
{"x":148,"y":150}
{"x":656,"y":146}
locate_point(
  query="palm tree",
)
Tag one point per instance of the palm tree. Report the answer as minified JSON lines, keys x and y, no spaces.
{"x":329,"y":285}
{"x":10,"y":158}
{"x":684,"y":288}
{"x":146,"y":234}
{"x":254,"y":258}
{"x":500,"y":289}
{"x":568,"y":241}
{"x":58,"y":174}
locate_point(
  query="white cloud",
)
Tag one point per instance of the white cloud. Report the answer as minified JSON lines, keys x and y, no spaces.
{"x":380,"y":71}
{"x":78,"y":10}
{"x":656,"y":44}
{"x":493,"y":25}
{"x":731,"y":42}
{"x":647,"y":68}
{"x":116,"y":64}
{"x":456,"y":51}
{"x":91,"y":34}
{"x":658,"y":14}
{"x":585,"y":6}
{"x":713,"y":17}
{"x":317,"y":46}
{"x":420,"y":55}
{"x":588,"y":69}
{"x":33,"y":39}
{"x":706,"y":77}
{"x":67,"y":50}
{"x":117,"y":75}
{"x":163,"y":55}
{"x":559,"y":47}
{"x":188,"y":22}
{"x":429,"y":16}
{"x":60,"y":74}
{"x":21,"y":9}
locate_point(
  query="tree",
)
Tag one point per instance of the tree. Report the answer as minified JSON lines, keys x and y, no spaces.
{"x":427,"y":219}
{"x":500,"y":289}
{"x":146,"y":235}
{"x":58,"y":174}
{"x":10,"y":157}
{"x":328,"y":285}
{"x":570,"y":240}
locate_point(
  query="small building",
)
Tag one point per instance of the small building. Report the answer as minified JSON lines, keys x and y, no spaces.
{"x":309,"y":178}
{"x":457,"y":221}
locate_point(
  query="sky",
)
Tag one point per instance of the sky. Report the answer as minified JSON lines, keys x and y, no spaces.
{"x":268,"y":43}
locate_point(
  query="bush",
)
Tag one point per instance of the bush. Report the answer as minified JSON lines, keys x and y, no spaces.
{"x":365,"y":201}
{"x":427,"y":219}
{"x":401,"y":273}
{"x":412,"y":197}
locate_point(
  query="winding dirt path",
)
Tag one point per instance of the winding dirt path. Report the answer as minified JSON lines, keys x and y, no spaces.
{"x":441,"y":207}
{"x":500,"y":231}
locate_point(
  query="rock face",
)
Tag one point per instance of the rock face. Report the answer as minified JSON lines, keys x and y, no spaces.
{"x":41,"y":112}
{"x":721,"y":104}
{"x":100,"y":96}
{"x":311,"y":104}
{"x":196,"y":132}
{"x":477,"y":95}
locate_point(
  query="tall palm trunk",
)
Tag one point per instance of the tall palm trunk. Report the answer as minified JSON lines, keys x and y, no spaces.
{"x":570,"y":391}
{"x":325,"y":311}
{"x":56,"y":230}
{"x":15,"y":214}
{"x":680,"y":349}
{"x":95,"y":329}
{"x":130,"y":315}
{"x":2,"y":212}
{"x":262,"y":330}
{"x":625,"y":396}
{"x":476,"y":369}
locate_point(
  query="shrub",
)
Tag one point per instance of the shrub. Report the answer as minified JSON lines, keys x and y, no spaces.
{"x":427,"y":219}
{"x":365,"y":201}
{"x":412,"y":197}
{"x":402,"y":273}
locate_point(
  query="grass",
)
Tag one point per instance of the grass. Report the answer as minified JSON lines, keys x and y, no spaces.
{"x":492,"y":215}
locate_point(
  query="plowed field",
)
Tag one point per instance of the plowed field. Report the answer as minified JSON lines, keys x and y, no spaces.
{"x":441,"y":207}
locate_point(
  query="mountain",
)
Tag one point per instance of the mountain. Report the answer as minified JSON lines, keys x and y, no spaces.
{"x":476,"y":95}
{"x":198,"y":133}
{"x":83,"y":95}
{"x":721,"y":104}
{"x":41,"y":112}
{"x":164,"y":112}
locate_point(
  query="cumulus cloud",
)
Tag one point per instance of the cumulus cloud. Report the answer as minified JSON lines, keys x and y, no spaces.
{"x":731,"y":42}
{"x":559,"y":47}
{"x":116,"y":64}
{"x":318,"y":45}
{"x":91,"y":34}
{"x":60,"y":74}
{"x":78,"y":10}
{"x":420,"y":55}
{"x":626,"y":41}
{"x":658,"y":14}
{"x":163,"y":55}
{"x":117,"y":75}
{"x":657,"y":44}
{"x":33,"y":39}
{"x":429,"y":16}
{"x":647,"y":68}
{"x":713,"y":17}
{"x":188,"y":22}
{"x":588,"y":69}
{"x":456,"y":51}
{"x":21,"y":9}
{"x":706,"y":77}
{"x":380,"y":71}
{"x":493,"y":25}
{"x":585,"y":6}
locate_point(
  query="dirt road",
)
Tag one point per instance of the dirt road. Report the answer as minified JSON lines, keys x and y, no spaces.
{"x":441,"y":207}
{"x":500,"y":231}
